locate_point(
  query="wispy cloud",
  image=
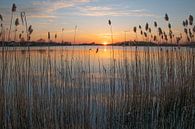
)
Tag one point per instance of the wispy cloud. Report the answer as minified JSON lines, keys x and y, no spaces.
{"x":112,"y":11}
{"x":54,"y":5}
{"x":42,"y":16}
{"x":47,"y":9}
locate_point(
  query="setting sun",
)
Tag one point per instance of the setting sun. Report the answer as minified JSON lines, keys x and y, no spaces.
{"x":105,"y":43}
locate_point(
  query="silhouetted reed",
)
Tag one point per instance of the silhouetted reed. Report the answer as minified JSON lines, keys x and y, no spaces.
{"x":13,"y":10}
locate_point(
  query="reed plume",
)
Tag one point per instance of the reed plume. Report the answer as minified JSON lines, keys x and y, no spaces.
{"x":193,"y":32}
{"x":20,"y":36}
{"x":30,"y":30}
{"x":155,"y":24}
{"x":1,"y":33}
{"x":110,"y":24}
{"x":170,"y":32}
{"x":24,"y":22}
{"x":150,"y":30}
{"x":190,"y":34}
{"x":56,"y":36}
{"x":154,"y":38}
{"x":169,"y":25}
{"x":147,"y":27}
{"x":145,"y":34}
{"x":16,"y":24}
{"x":186,"y":23}
{"x":48,"y":36}
{"x":141,"y":32}
{"x":62,"y":35}
{"x":186,"y":31}
{"x":140,"y":27}
{"x":160,"y":33}
{"x":135,"y":31}
{"x":1,"y":17}
{"x":13,"y":10}
{"x":166,"y":17}
{"x":191,"y":19}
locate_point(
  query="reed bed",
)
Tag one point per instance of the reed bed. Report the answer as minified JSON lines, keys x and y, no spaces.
{"x":142,"y":88}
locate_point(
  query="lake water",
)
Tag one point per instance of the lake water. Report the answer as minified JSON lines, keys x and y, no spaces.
{"x":90,"y":87}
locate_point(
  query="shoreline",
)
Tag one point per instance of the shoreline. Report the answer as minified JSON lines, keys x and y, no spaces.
{"x":55,"y":44}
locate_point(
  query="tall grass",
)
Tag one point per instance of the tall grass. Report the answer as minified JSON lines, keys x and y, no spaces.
{"x":152,"y":89}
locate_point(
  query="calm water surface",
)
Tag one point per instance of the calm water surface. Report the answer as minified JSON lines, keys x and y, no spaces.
{"x":87,"y":87}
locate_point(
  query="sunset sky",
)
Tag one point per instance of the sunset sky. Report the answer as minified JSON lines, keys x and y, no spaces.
{"x":91,"y":17}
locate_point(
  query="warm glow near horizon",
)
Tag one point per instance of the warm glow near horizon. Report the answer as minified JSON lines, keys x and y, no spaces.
{"x":91,"y":18}
{"x":105,"y":43}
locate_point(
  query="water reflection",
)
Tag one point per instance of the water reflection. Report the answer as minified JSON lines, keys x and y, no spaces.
{"x":81,"y":88}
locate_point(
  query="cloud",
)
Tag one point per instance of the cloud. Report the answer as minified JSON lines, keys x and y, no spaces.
{"x":112,"y":11}
{"x":47,"y":9}
{"x":51,"y":6}
{"x":54,"y":5}
{"x":42,"y":16}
